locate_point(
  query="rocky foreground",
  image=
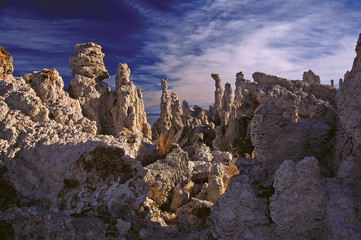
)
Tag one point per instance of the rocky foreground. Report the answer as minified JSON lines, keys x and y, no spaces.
{"x":281,"y":159}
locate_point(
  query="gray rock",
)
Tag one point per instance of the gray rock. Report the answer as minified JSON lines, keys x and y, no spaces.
{"x":298,"y":206}
{"x":239,"y":214}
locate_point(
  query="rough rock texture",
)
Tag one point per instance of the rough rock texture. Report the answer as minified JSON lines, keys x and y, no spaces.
{"x":349,"y":113}
{"x":59,"y":180}
{"x":215,"y":183}
{"x":239,"y":214}
{"x":225,"y":111}
{"x":298,"y":206}
{"x":286,"y":93}
{"x":343,"y":211}
{"x":183,"y":126}
{"x":6,"y":63}
{"x":20,"y":96}
{"x":163,"y":124}
{"x":88,"y":71}
{"x":276,"y":138}
{"x":179,"y":197}
{"x":113,"y":112}
{"x":128,"y":112}
{"x":310,"y":77}
{"x":218,"y":96}
{"x":238,"y":96}
{"x":194,"y":214}
{"x":64,"y":180}
{"x":48,"y":86}
{"x":165,"y":174}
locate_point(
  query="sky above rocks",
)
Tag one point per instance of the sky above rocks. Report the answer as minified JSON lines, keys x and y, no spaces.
{"x":185,"y":41}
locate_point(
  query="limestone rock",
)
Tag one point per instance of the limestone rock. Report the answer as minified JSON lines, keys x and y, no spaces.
{"x":176,"y":112}
{"x":349,"y":113}
{"x":287,"y":94}
{"x":254,"y":169}
{"x":48,"y":86}
{"x":226,"y":104}
{"x":298,"y":206}
{"x":179,"y":198}
{"x":6,"y":63}
{"x":276,"y":138}
{"x":113,"y":112}
{"x":62,"y":179}
{"x":218,"y":94}
{"x":20,"y":96}
{"x":184,"y":126}
{"x":215,"y":183}
{"x":165,"y":174}
{"x":343,"y":211}
{"x":238,"y":96}
{"x":349,"y":169}
{"x":128,"y":112}
{"x":239,"y":214}
{"x":311,"y":78}
{"x":88,"y":71}
{"x":194,"y":214}
{"x":163,"y":124}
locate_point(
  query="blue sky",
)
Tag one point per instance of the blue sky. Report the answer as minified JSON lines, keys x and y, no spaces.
{"x":185,"y":41}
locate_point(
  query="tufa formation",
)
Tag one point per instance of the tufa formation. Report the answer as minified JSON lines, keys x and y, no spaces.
{"x":276,"y":159}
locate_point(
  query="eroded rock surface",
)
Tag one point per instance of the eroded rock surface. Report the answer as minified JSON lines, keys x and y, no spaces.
{"x":349,"y":113}
{"x":298,"y":206}
{"x":276,"y":137}
{"x":6,"y":63}
{"x":113,"y":112}
{"x":48,"y":86}
{"x":291,"y":169}
{"x":239,"y":214}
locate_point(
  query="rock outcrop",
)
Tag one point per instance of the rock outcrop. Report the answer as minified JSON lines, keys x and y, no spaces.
{"x":287,"y":94}
{"x":164,"y":175}
{"x":113,"y":112}
{"x":183,"y":126}
{"x":88,"y":71}
{"x":62,"y":179}
{"x":163,"y":124}
{"x":48,"y":86}
{"x":311,"y":78}
{"x":6,"y":63}
{"x":239,"y":214}
{"x":298,"y":206}
{"x":276,"y":137}
{"x":128,"y":112}
{"x":349,"y":113}
{"x":280,"y":160}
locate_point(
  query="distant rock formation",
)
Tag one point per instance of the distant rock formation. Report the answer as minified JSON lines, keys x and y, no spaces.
{"x":113,"y":112}
{"x":176,"y":122}
{"x":229,"y":119}
{"x":311,"y":78}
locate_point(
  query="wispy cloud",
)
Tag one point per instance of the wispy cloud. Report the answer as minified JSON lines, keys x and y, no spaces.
{"x":186,"y":41}
{"x":278,"y":37}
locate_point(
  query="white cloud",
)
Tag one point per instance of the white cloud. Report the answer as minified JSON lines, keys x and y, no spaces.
{"x":283,"y":38}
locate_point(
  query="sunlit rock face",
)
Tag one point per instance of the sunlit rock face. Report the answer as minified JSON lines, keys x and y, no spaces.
{"x":280,"y":160}
{"x":6,"y":63}
{"x":113,"y":112}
